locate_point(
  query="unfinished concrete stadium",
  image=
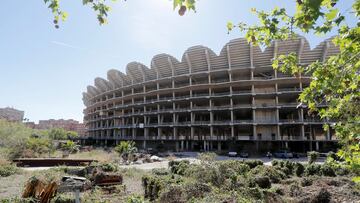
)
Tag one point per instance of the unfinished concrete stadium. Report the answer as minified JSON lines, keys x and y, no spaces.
{"x":231,"y":101}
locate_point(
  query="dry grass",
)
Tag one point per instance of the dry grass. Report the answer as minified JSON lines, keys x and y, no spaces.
{"x":97,"y":154}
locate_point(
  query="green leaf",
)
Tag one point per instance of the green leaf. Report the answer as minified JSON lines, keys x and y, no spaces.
{"x":331,"y":14}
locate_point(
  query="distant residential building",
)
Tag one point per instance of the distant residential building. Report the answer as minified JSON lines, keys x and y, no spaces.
{"x":70,"y":124}
{"x":11,"y":114}
{"x":30,"y":125}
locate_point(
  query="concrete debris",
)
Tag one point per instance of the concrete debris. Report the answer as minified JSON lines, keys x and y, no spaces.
{"x":155,"y":158}
{"x":71,"y":183}
{"x":106,"y":179}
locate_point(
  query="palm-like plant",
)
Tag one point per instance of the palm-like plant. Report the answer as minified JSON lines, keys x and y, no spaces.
{"x":126,"y":149}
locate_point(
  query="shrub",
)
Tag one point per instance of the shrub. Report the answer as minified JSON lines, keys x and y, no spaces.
{"x":153,"y":185}
{"x":277,"y":190}
{"x":109,"y":167}
{"x":332,"y":155}
{"x":197,"y":190}
{"x":327,"y":170}
{"x":8,"y":169}
{"x":312,"y":169}
{"x":207,"y":157}
{"x":273,"y":173}
{"x":299,"y":169}
{"x":160,"y":171}
{"x":294,"y":190}
{"x":253,"y":163}
{"x":275,"y":162}
{"x":263,"y":182}
{"x":342,"y":171}
{"x":62,"y":198}
{"x":312,"y":156}
{"x":306,"y":182}
{"x":179,"y":167}
{"x":323,"y":196}
{"x":254,"y":193}
{"x":205,"y":173}
{"x":134,"y":198}
{"x":173,"y":193}
{"x":229,"y":168}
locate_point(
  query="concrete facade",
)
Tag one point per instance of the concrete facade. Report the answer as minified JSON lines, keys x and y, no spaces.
{"x":231,"y":101}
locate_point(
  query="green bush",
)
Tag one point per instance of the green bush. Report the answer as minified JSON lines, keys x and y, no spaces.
{"x":205,"y":174}
{"x":327,"y":170}
{"x":321,"y":197}
{"x":160,"y":171}
{"x":230,"y":168}
{"x":173,"y":193}
{"x":312,"y":169}
{"x":8,"y":169}
{"x":312,"y":156}
{"x":263,"y":182}
{"x":299,"y":169}
{"x":178,"y":167}
{"x":63,"y":198}
{"x":306,"y":182}
{"x":342,"y":171}
{"x":295,"y":190}
{"x":109,"y":167}
{"x":153,"y":185}
{"x":273,"y":173}
{"x":253,"y":163}
{"x":332,"y":155}
{"x":197,"y":190}
{"x":275,"y":162}
{"x":134,"y":198}
{"x":207,"y":157}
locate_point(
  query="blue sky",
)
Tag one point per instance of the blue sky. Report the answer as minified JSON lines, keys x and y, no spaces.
{"x":44,"y":70}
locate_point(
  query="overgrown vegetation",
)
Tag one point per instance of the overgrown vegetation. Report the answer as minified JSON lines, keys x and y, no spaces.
{"x":17,"y":140}
{"x":235,"y":180}
{"x":7,"y":168}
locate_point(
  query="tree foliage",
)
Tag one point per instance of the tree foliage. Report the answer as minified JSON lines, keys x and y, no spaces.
{"x":102,"y":9}
{"x":61,"y":134}
{"x":335,"y":81}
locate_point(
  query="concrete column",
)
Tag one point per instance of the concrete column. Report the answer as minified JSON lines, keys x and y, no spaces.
{"x":192,"y":133}
{"x":232,"y":131}
{"x":205,"y":148}
{"x":175,"y":133}
{"x":286,"y":145}
{"x":182,"y":145}
{"x":278,"y":133}
{"x":177,"y":146}
{"x":302,"y":132}
{"x":144,"y":144}
{"x":254,"y":132}
{"x":328,"y":134}
{"x":187,"y":145}
{"x":317,"y":146}
{"x":219,"y":146}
